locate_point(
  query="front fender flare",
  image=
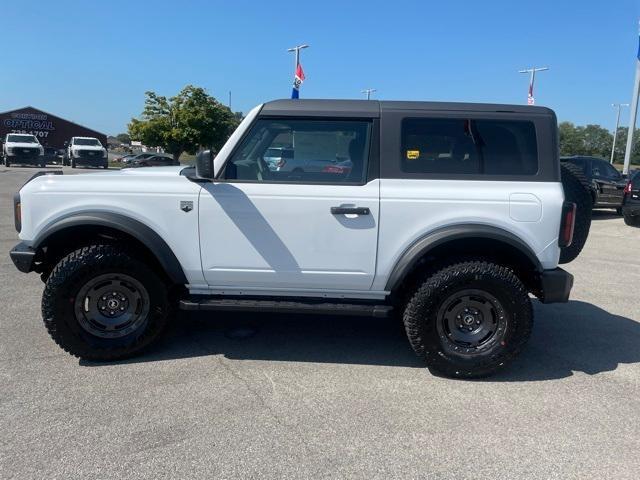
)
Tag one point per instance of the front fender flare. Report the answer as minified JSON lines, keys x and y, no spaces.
{"x":143,"y":233}
{"x":423,"y":245}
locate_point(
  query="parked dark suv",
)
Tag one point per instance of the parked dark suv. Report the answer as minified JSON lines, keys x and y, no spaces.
{"x":631,"y":202}
{"x":607,"y":183}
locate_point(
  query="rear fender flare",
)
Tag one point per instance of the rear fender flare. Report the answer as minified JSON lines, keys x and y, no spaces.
{"x":423,"y":245}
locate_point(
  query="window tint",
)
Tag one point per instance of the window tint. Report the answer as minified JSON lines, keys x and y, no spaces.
{"x":603,"y":169}
{"x":469,"y":146}
{"x":635,"y":182}
{"x":302,"y":151}
{"x":579,"y":162}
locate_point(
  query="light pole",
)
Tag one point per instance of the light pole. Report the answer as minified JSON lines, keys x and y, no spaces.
{"x":297,"y":50}
{"x":618,"y":106}
{"x":532,"y":71}
{"x":368,"y":92}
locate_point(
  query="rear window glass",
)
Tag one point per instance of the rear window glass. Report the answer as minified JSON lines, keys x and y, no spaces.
{"x":469,"y":146}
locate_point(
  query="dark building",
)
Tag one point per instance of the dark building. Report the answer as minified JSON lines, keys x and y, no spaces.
{"x":51,"y":131}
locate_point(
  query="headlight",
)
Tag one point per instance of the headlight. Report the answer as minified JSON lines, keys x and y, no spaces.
{"x":9,"y":150}
{"x":41,"y":151}
{"x":75,"y":153}
{"x":104,"y":154}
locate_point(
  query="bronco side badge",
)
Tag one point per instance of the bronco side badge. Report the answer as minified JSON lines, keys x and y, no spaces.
{"x":186,"y":205}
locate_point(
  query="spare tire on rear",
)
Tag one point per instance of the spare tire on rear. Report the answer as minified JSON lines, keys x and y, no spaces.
{"x":577,"y":190}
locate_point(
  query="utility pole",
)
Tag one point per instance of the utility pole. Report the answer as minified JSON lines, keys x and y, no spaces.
{"x":618,"y":106}
{"x":297,"y":50}
{"x":532,"y":72}
{"x":633,"y":114}
{"x":368,"y":92}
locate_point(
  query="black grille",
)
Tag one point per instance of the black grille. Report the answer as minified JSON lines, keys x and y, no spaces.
{"x":25,"y":151}
{"x":89,"y":153}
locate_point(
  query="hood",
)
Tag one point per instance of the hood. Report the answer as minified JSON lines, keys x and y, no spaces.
{"x":87,"y":147}
{"x":22,"y":145}
{"x":145,"y":171}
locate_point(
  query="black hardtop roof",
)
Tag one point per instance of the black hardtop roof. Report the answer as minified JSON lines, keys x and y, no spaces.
{"x":372,"y":108}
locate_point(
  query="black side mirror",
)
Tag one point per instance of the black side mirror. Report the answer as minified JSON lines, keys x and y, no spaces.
{"x":204,"y":164}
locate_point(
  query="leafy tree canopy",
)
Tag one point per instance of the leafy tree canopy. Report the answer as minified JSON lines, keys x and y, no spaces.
{"x":185,"y":123}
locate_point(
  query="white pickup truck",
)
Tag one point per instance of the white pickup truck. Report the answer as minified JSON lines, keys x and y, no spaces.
{"x":87,"y":152}
{"x":22,"y":149}
{"x":448,"y":215}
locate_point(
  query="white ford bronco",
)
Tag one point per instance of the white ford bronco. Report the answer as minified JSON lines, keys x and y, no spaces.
{"x":447,"y":215}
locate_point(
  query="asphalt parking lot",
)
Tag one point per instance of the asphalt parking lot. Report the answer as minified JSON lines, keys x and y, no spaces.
{"x":236,"y":396}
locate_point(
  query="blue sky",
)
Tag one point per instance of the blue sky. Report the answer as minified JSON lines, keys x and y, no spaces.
{"x":91,"y":62}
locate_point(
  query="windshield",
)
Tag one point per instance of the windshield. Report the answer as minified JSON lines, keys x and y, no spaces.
{"x":22,"y":139}
{"x":87,"y":141}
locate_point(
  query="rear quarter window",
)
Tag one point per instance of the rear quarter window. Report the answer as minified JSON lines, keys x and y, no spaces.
{"x":468,"y":146}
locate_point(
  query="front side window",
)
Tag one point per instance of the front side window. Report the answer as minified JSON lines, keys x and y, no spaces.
{"x":469,"y":146}
{"x":302,"y":151}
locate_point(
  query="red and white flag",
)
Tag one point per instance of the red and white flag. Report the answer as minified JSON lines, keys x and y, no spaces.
{"x":297,"y":81}
{"x":530,"y":99}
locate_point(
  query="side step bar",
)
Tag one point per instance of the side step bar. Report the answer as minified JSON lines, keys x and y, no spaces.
{"x":285,"y":306}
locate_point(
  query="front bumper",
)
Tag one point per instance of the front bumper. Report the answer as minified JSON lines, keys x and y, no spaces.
{"x":26,"y":159}
{"x":555,"y":285}
{"x":91,"y":161}
{"x":23,"y":257}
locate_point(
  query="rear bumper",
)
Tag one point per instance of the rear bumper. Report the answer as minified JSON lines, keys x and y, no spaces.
{"x":555,"y":285}
{"x":23,"y":257}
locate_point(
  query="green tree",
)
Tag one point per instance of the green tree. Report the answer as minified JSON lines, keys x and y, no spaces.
{"x":185,"y":123}
{"x":123,"y":138}
{"x":621,"y":145}
{"x":570,"y":142}
{"x":592,"y":140}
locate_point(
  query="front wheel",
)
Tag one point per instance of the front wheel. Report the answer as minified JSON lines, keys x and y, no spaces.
{"x":73,"y":163}
{"x":469,"y":319}
{"x":7,"y":163}
{"x":101,"y":303}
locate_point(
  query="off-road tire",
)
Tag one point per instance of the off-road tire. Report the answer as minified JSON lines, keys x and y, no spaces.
{"x":577,"y":190}
{"x":67,"y":280}
{"x":443,"y":357}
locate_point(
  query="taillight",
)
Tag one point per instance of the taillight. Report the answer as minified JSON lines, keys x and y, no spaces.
{"x":627,"y":189}
{"x":281,"y":163}
{"x":567,"y":224}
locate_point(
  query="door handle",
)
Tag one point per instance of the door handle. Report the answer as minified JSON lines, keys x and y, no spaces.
{"x":350,"y":210}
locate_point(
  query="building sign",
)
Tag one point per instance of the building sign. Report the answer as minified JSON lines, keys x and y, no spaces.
{"x":36,"y":124}
{"x":51,"y":131}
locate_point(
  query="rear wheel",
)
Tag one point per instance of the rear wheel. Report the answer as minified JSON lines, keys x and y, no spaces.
{"x":577,"y":190}
{"x":632,"y":220}
{"x":469,"y":319}
{"x":101,"y":303}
